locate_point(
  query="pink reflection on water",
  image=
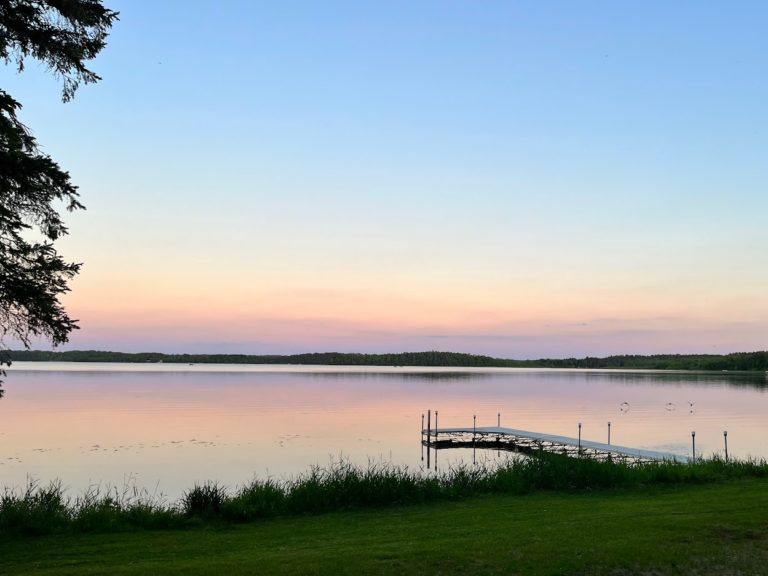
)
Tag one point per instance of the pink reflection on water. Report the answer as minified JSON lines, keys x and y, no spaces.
{"x":171,"y":429}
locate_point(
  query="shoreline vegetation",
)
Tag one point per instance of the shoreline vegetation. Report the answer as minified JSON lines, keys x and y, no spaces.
{"x":683,"y":530}
{"x":737,"y":362}
{"x":43,"y":510}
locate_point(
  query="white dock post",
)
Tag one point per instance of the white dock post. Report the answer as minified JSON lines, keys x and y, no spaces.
{"x":693,"y":445}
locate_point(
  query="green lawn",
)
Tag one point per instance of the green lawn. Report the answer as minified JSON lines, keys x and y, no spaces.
{"x":710,"y":529}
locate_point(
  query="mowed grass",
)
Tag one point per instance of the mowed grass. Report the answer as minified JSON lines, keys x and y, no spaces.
{"x":718,"y":528}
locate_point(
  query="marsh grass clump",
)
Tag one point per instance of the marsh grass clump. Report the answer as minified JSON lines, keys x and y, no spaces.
{"x":346,"y":485}
{"x":96,"y":511}
{"x":35,"y":510}
{"x":257,"y":499}
{"x":341,"y":485}
{"x":102,"y":509}
{"x":204,"y":500}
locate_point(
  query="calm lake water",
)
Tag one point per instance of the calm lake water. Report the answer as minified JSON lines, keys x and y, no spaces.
{"x":164,"y":427}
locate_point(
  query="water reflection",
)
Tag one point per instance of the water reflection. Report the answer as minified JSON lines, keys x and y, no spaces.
{"x":170,"y":429}
{"x":753,"y":380}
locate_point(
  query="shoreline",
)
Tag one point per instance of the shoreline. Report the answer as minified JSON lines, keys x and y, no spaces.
{"x":89,"y":366}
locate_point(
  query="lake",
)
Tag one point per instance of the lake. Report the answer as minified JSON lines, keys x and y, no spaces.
{"x":164,"y":427}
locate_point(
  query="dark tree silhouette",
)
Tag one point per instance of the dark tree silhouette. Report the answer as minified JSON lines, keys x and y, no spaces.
{"x":63,"y":35}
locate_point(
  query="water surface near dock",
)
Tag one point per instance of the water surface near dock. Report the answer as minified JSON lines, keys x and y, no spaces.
{"x":166,"y":426}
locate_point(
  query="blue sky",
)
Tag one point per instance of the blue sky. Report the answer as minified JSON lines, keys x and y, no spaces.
{"x":514,"y":178}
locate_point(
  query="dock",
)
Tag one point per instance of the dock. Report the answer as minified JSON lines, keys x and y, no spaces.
{"x":527,"y":442}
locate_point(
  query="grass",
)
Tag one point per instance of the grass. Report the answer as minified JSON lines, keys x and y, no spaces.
{"x":680,"y":529}
{"x":38,"y":510}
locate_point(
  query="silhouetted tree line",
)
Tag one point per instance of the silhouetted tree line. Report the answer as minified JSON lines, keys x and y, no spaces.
{"x":739,"y":361}
{"x":324,"y":358}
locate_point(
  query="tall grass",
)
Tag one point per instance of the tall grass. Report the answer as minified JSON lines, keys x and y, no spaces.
{"x":37,"y":510}
{"x":340,"y":485}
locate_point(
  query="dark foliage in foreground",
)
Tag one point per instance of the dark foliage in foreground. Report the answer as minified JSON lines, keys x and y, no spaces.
{"x":44,"y":510}
{"x":738,"y":361}
{"x":62,"y":36}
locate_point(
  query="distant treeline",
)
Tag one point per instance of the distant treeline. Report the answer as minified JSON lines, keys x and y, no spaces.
{"x":739,"y":361}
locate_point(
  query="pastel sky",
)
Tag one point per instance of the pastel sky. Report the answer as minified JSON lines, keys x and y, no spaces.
{"x":520,"y":179}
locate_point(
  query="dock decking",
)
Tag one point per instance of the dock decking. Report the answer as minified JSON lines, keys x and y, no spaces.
{"x":511,"y":439}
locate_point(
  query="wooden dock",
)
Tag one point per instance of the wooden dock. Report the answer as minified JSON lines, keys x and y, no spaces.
{"x":524,"y":441}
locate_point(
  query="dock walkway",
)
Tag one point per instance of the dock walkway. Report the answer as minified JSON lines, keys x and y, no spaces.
{"x":499,"y":438}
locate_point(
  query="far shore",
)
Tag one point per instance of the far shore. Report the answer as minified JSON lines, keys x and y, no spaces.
{"x":402,"y":362}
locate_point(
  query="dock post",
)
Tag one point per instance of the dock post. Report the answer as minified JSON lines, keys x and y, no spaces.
{"x":429,"y":435}
{"x":474,"y":433}
{"x":498,"y":420}
{"x":579,"y":438}
{"x":609,"y":433}
{"x":435,"y":436}
{"x":725,"y":437}
{"x":422,"y":436}
{"x":693,"y":445}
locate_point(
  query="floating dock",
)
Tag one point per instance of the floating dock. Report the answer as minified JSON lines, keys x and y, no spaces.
{"x":524,"y":441}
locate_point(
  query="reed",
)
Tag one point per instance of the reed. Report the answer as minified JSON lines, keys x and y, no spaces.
{"x":48,"y":509}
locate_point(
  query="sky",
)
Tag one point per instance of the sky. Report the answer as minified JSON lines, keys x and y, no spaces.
{"x":519,"y":179}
